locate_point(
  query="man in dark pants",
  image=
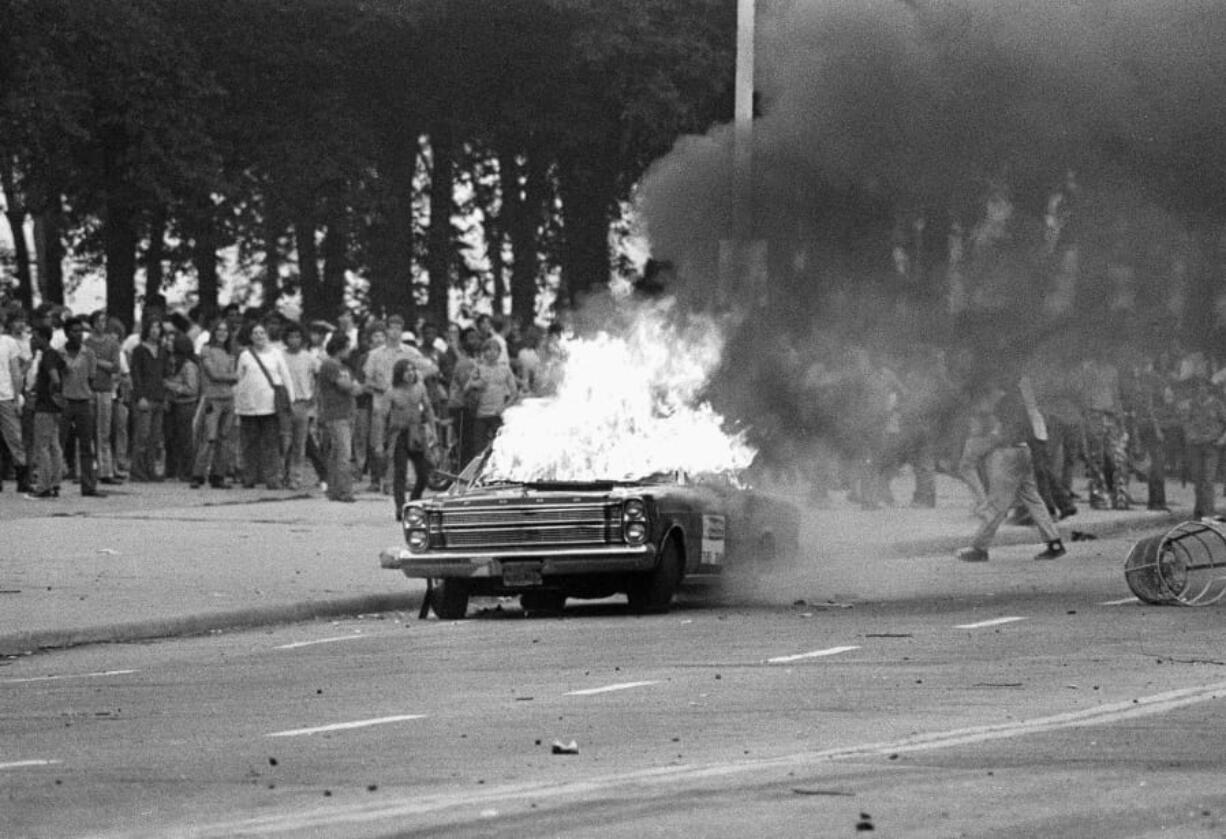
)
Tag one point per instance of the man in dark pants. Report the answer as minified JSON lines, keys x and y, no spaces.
{"x":80,"y":367}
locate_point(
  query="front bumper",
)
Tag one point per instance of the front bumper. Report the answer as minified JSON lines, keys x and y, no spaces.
{"x":551,"y":561}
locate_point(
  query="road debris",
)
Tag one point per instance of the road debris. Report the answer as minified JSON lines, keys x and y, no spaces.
{"x":560,"y":748}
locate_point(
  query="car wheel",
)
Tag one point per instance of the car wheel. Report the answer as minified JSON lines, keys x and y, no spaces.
{"x":449,"y":600}
{"x":653,"y":592}
{"x":545,"y":602}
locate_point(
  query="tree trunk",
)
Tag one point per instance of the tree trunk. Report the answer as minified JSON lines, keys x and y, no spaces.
{"x":120,"y":244}
{"x":587,"y":192}
{"x":391,"y":282}
{"x":204,"y":257}
{"x":336,"y":261}
{"x":308,"y":264}
{"x":521,"y":203}
{"x":16,"y":215}
{"x":155,"y":255}
{"x":439,"y":239}
{"x":51,"y":264}
{"x":274,"y":227}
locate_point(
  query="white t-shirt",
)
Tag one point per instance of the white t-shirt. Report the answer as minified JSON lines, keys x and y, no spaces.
{"x":9,"y":351}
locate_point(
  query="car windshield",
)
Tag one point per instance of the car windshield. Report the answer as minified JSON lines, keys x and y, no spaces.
{"x":475,"y":474}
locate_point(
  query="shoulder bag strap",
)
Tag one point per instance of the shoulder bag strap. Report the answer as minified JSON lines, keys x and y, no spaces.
{"x":260,"y":362}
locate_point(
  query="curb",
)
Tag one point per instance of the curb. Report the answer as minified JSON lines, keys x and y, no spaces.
{"x":1027,"y":535}
{"x":23,"y":643}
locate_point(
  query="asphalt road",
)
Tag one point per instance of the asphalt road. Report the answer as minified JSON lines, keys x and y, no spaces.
{"x":916,"y":697}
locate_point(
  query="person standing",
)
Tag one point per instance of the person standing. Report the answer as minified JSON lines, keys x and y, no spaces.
{"x":183,"y":389}
{"x":493,"y":384}
{"x":261,"y":368}
{"x":338,"y":391}
{"x":378,"y":370}
{"x":77,"y":419}
{"x":214,"y":446}
{"x":410,"y":431}
{"x":12,"y":378}
{"x":47,"y":455}
{"x":148,"y":369}
{"x":1011,"y":480}
{"x":105,"y":347}
{"x":460,"y":400}
{"x":303,"y":366}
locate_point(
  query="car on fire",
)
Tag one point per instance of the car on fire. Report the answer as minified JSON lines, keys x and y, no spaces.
{"x":546,"y":541}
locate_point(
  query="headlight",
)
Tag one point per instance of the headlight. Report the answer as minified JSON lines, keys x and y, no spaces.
{"x":414,"y":517}
{"x":634,"y":510}
{"x":636,"y":533}
{"x":418,"y":540}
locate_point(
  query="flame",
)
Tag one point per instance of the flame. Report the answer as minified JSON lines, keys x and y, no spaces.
{"x":626,"y":407}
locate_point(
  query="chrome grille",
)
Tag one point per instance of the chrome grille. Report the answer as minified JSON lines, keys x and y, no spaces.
{"x":536,"y":525}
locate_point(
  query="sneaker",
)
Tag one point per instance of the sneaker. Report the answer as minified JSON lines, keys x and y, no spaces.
{"x":196,"y":483}
{"x":40,"y":496}
{"x":1055,"y":550}
{"x":110,"y":481}
{"x":92,"y":493}
{"x":972,"y":555}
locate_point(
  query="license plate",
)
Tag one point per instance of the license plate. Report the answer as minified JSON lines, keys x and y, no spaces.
{"x":520,"y":576}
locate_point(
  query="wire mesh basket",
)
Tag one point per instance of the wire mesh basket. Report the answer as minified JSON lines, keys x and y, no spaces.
{"x":1186,"y":566}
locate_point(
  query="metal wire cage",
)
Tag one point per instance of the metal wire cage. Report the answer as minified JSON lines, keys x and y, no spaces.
{"x":1186,"y":566}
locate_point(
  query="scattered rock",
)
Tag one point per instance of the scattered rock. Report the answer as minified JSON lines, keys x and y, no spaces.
{"x":560,"y":748}
{"x":865,"y":823}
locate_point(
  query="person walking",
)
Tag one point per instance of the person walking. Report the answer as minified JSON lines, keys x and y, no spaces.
{"x":214,"y":447}
{"x":1011,"y":480}
{"x":149,"y":368}
{"x":1203,"y":413}
{"x":410,"y":432}
{"x":338,"y":392}
{"x":260,"y":370}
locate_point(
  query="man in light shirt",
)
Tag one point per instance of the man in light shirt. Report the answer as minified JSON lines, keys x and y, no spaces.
{"x":12,"y":376}
{"x":378,"y":373}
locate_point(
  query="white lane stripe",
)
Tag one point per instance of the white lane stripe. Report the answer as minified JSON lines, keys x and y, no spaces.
{"x":17,"y":764}
{"x":298,"y":644}
{"x":1120,"y":602}
{"x":67,"y":676}
{"x":343,"y":726}
{"x":316,"y":818}
{"x":992,"y":622}
{"x":610,"y":688}
{"x":815,"y":654}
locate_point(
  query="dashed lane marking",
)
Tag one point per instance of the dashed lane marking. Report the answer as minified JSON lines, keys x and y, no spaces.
{"x":18,"y":764}
{"x":1122,"y":601}
{"x":992,"y":622}
{"x":344,"y":726}
{"x":298,"y":819}
{"x":815,"y":654}
{"x":67,"y":676}
{"x":610,"y":688}
{"x":332,"y":640}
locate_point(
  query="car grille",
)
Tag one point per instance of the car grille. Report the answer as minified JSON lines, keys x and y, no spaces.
{"x":563,"y":525}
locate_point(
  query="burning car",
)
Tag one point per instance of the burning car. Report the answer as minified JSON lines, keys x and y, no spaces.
{"x":549,"y":540}
{"x":624,"y":480}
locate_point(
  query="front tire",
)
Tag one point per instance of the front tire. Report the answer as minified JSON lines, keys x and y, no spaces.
{"x":449,"y":600}
{"x":652,"y":593}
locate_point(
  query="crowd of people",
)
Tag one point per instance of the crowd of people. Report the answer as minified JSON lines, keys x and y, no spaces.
{"x":850,"y":418}
{"x":253,"y":398}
